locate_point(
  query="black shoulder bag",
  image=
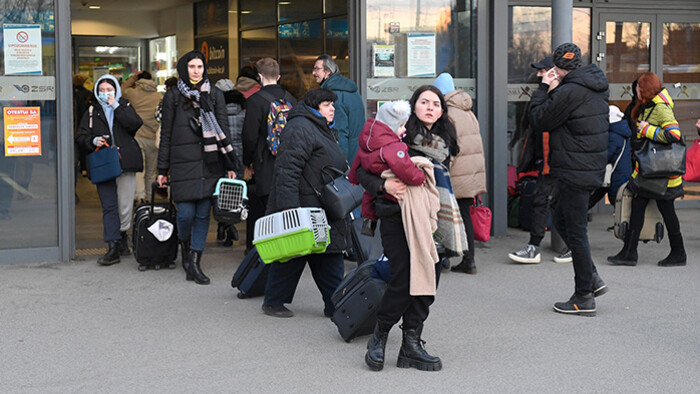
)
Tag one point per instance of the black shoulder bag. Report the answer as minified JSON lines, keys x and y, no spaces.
{"x":338,"y":197}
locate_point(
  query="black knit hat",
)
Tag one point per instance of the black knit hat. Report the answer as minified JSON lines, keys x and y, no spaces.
{"x":182,"y":66}
{"x":567,"y":56}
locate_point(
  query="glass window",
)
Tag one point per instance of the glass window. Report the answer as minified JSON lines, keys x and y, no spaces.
{"x":409,"y":43}
{"x":257,"y":13}
{"x":628,"y":49}
{"x":332,"y":6}
{"x":337,"y":42}
{"x":300,"y":45}
{"x":210,"y":16}
{"x":257,"y":44}
{"x":95,"y":61}
{"x":163,"y":61}
{"x":28,"y":151}
{"x":300,"y":9}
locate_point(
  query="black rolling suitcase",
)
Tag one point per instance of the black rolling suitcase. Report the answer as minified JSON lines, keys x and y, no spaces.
{"x":251,"y":276}
{"x":148,"y":250}
{"x":357,"y":298}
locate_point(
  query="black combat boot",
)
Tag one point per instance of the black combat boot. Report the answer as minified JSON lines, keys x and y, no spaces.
{"x":467,"y":266}
{"x":677,"y":257}
{"x":185,"y":253}
{"x":194,"y":272}
{"x":412,"y":353}
{"x":628,"y":254}
{"x":375,"y":349}
{"x":112,"y":255}
{"x":124,"y":245}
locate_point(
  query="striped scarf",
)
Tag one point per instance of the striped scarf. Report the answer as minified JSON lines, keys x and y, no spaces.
{"x":450,"y":232}
{"x":214,"y":139}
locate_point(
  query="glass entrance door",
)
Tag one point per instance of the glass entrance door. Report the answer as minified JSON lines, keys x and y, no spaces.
{"x":631,"y":44}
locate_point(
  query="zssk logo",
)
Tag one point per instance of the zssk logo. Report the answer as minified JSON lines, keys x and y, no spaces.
{"x":22,"y":88}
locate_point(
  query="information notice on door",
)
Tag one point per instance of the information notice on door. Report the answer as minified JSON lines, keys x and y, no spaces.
{"x":22,"y":47}
{"x":22,"y":131}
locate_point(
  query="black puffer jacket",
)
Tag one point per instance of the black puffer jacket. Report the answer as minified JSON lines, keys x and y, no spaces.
{"x":181,"y":151}
{"x":306,"y":146}
{"x":576,"y":115}
{"x":126,"y":123}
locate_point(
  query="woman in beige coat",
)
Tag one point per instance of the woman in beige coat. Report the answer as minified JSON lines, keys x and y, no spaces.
{"x":468,"y":171}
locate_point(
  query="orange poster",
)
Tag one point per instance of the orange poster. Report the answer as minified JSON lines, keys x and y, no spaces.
{"x":22,"y":131}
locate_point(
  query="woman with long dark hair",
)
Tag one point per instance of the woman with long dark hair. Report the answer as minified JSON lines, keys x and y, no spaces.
{"x":429,"y":133}
{"x":195,"y":150}
{"x":653,"y":114}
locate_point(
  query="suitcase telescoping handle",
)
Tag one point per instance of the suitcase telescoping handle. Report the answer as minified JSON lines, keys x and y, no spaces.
{"x":355,"y":239}
{"x":154,"y":186}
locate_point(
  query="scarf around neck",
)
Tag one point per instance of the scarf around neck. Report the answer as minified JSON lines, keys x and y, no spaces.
{"x":215,"y":141}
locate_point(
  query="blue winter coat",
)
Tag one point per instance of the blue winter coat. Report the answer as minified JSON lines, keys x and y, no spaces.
{"x":349,"y":113}
{"x":618,"y":133}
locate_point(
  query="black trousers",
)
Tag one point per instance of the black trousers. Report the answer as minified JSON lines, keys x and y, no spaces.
{"x":464,"y":204}
{"x":256,"y":210}
{"x":397,"y":302}
{"x":327,"y":270}
{"x":666,"y":208}
{"x":570,"y":218}
{"x":544,"y":200}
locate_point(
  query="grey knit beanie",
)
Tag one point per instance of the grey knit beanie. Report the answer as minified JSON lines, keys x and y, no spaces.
{"x":394,"y":113}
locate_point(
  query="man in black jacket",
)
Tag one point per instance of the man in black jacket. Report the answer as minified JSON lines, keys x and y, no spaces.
{"x":256,"y":154}
{"x":572,"y":103}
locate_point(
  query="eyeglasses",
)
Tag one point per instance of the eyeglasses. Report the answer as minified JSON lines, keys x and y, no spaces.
{"x":318,"y":68}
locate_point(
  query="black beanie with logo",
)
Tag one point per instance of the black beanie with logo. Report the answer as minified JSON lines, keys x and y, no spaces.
{"x":567,"y":56}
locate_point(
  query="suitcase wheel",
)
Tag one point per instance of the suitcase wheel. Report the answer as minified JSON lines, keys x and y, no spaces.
{"x":659,"y":235}
{"x":156,"y":267}
{"x":171,"y":266}
{"x":142,"y":268}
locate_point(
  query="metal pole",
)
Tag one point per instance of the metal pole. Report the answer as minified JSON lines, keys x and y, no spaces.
{"x":562,"y":22}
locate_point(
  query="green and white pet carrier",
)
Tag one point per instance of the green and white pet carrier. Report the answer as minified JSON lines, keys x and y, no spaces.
{"x":285,"y":235}
{"x":230,"y":201}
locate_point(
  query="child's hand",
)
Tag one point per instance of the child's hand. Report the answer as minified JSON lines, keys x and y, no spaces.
{"x":642,"y":125}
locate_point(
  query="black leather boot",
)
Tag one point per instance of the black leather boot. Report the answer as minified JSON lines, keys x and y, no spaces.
{"x":185,"y":253}
{"x":628,"y":254}
{"x":413,"y":355}
{"x":112,"y":255}
{"x":194,"y":272}
{"x":677,"y":257}
{"x":467,"y":266}
{"x":375,"y":349}
{"x":124,"y":245}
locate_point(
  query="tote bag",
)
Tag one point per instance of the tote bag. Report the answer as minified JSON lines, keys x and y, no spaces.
{"x":103,"y":164}
{"x":481,"y":220}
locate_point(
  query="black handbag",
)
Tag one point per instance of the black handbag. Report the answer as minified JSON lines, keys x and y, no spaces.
{"x":338,"y":197}
{"x":658,"y":159}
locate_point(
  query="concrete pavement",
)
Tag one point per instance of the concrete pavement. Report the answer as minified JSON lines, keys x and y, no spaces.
{"x":79,"y":327}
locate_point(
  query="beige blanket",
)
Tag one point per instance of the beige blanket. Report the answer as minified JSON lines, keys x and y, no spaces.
{"x":419,"y":208}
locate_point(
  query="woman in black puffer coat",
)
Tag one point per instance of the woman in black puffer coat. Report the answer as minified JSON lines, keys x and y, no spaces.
{"x":309,"y":143}
{"x":112,"y":120}
{"x":187,"y":152}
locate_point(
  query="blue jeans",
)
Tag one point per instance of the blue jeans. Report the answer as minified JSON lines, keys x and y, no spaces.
{"x":282,"y":280}
{"x":571,"y":221}
{"x":193,"y":221}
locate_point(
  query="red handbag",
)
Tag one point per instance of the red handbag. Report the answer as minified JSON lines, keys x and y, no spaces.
{"x":692,"y":163}
{"x":481,"y":220}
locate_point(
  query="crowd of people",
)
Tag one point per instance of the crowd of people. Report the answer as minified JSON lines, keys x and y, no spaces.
{"x":426,"y":152}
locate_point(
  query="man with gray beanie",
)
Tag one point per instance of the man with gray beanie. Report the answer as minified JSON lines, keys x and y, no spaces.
{"x":572,"y":104}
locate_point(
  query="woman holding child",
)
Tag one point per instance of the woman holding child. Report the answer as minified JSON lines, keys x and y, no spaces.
{"x":429,"y":134}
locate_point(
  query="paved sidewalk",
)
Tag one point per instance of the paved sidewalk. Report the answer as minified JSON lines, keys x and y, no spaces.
{"x":79,"y":327}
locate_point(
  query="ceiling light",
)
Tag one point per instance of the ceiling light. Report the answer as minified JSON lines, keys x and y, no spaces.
{"x":285,"y":2}
{"x":246,"y":12}
{"x":94,"y":7}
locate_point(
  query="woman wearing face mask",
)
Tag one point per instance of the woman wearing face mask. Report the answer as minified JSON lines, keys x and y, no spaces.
{"x":429,"y":133}
{"x":195,"y":150}
{"x":114,"y":122}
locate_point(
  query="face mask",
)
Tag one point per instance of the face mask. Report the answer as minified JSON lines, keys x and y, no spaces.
{"x":104,"y":96}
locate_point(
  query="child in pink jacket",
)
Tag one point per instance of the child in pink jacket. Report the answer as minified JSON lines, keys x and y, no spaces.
{"x":381,"y":148}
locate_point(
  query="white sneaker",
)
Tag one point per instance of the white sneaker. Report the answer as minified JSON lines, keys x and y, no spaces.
{"x":528,"y":255}
{"x":564,"y":257}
